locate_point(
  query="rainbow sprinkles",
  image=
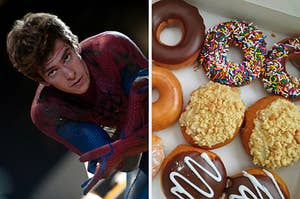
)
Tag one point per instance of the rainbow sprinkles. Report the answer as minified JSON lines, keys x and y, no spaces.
{"x":216,"y":47}
{"x":276,"y":79}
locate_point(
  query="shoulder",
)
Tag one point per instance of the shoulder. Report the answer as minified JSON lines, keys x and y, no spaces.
{"x":107,"y":38}
{"x":107,"y":35}
{"x":45,"y":106}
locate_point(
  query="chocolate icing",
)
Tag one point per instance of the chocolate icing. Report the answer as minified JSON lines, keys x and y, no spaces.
{"x":177,"y":164}
{"x":234,"y":184}
{"x":193,"y":33}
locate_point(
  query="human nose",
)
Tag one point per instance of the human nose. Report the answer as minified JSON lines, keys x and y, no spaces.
{"x":69,"y":73}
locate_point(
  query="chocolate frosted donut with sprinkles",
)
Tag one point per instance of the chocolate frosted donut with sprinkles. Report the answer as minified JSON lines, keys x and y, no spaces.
{"x":190,"y":172}
{"x":216,"y":46}
{"x":275,"y":77}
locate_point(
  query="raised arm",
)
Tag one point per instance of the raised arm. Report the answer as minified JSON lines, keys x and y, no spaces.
{"x":131,"y":72}
{"x":117,"y":56}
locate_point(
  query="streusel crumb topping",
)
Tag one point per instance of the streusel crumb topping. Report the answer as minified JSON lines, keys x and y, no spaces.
{"x":213,"y":114}
{"x":275,"y":140}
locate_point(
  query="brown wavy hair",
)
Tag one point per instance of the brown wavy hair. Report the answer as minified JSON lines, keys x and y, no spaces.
{"x":31,"y":40}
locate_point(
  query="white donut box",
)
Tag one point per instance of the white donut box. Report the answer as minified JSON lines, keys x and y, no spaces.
{"x":278,"y":20}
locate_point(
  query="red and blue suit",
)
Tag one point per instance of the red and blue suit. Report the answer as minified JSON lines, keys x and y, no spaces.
{"x":117,"y":98}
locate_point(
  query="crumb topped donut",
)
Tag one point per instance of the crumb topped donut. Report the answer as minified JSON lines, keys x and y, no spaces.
{"x":256,"y":183}
{"x":276,"y":79}
{"x":213,"y":116}
{"x":271,"y":135}
{"x":190,"y":172}
{"x":179,"y":13}
{"x":216,"y":46}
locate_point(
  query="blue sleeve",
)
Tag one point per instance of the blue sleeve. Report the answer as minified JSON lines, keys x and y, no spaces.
{"x":83,"y":135}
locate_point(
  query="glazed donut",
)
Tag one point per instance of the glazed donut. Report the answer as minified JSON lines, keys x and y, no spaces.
{"x":187,"y":18}
{"x":216,"y":46}
{"x":271,"y":132}
{"x":213,"y":116}
{"x":166,"y":110}
{"x":157,"y":154}
{"x":256,"y":183}
{"x":190,"y":172}
{"x":275,"y":77}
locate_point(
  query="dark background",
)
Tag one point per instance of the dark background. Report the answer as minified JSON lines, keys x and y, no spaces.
{"x":27,"y":154}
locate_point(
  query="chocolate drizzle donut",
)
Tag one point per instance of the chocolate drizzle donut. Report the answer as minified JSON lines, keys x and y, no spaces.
{"x":256,"y":183}
{"x":189,"y":172}
{"x":185,"y":16}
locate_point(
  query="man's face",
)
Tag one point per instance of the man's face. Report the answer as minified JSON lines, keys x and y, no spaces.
{"x":65,"y":70}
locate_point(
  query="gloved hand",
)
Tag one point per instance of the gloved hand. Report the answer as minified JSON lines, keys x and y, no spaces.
{"x":110,"y":156}
{"x":141,"y":82}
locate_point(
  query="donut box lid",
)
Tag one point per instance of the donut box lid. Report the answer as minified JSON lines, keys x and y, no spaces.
{"x":276,"y":15}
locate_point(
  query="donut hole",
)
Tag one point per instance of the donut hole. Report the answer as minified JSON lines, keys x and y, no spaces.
{"x":170,"y":32}
{"x":235,"y":54}
{"x":292,"y":66}
{"x":155,"y":95}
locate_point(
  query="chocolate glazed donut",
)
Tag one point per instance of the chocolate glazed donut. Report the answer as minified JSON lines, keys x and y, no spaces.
{"x":187,"y":18}
{"x":256,"y":183}
{"x":190,"y":172}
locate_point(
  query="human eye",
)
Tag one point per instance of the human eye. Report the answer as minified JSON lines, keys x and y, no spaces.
{"x":67,"y":57}
{"x":52,"y":73}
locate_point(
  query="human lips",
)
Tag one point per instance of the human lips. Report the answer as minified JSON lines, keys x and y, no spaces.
{"x":78,"y":82}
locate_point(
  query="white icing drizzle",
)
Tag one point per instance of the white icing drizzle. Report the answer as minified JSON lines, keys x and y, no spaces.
{"x":258,"y":187}
{"x":177,"y":189}
{"x":274,"y":182}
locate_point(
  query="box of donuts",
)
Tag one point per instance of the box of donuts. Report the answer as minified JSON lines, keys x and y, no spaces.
{"x":225,"y":100}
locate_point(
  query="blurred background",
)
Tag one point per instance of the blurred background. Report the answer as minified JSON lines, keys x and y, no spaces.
{"x":32,"y":165}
